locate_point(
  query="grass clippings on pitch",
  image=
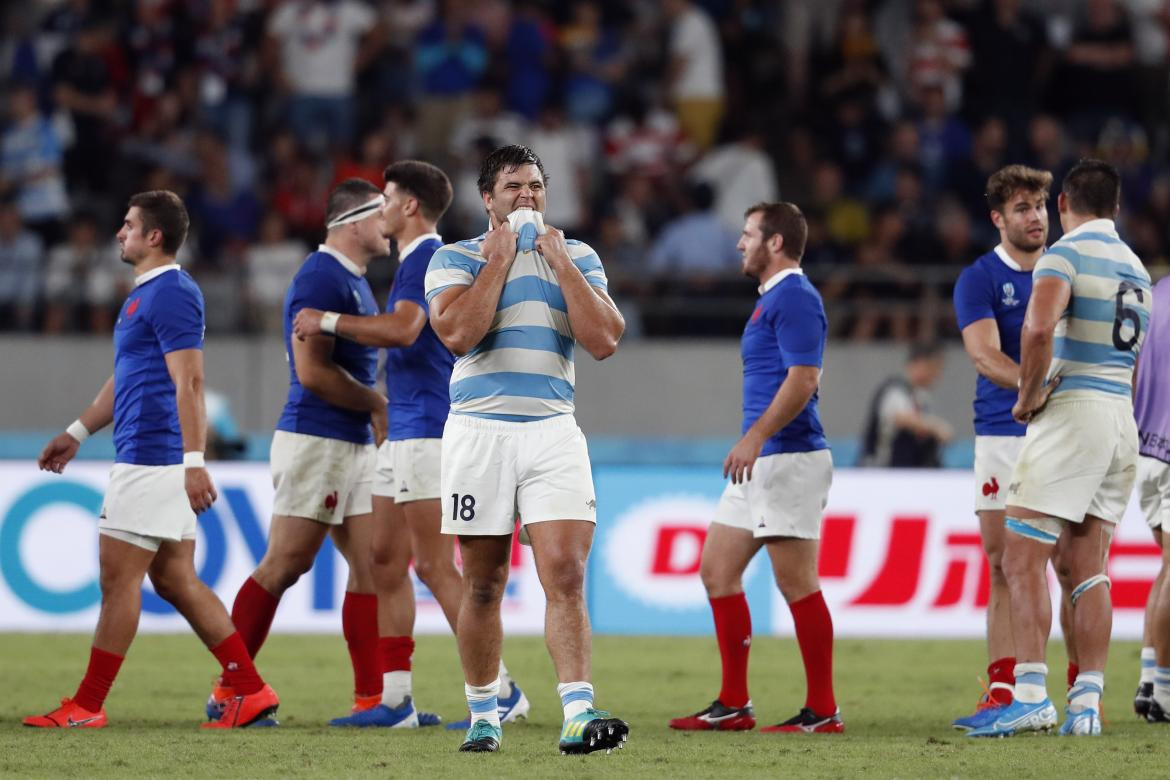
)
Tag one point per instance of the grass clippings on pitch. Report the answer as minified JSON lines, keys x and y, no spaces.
{"x":898,"y":698}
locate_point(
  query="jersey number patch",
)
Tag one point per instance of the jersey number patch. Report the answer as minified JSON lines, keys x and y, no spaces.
{"x":463,"y":507}
{"x":1125,"y":314}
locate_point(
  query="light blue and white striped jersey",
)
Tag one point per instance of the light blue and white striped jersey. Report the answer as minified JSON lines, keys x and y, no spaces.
{"x":1102,"y":330}
{"x":522,"y":370}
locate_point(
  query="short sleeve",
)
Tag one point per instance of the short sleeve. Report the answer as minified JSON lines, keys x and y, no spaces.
{"x":316,"y":290}
{"x":409,"y":283}
{"x":450,"y":268}
{"x":589,"y":264}
{"x":176,"y":314}
{"x":894,"y":401}
{"x":1059,"y":261}
{"x":800,"y":325}
{"x":974,"y":297}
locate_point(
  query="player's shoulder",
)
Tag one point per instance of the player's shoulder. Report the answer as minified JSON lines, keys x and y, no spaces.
{"x":175,"y":286}
{"x":580,"y":251}
{"x":459,"y":252}
{"x":797,"y":290}
{"x":981,"y":269}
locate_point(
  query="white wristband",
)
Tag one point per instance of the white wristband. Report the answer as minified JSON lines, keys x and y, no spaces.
{"x":329,"y":322}
{"x":78,"y":430}
{"x":193,"y":460}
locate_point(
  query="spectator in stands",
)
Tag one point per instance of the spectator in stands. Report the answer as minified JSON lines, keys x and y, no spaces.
{"x":451,"y":56}
{"x":695,"y":248}
{"x":270,"y":264}
{"x":22,"y":256}
{"x":228,"y":72}
{"x":741,"y":173}
{"x":32,"y":155}
{"x":695,"y":72}
{"x":316,"y":49}
{"x":84,"y":280}
{"x":596,"y":59}
{"x":944,"y":137}
{"x":900,"y":431}
{"x":939,"y":53}
{"x":569,"y":153}
{"x":83,"y":87}
{"x":1009,"y":50}
{"x":1095,"y":79}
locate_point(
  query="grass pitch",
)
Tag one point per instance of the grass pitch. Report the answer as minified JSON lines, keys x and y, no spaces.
{"x":898,"y":698}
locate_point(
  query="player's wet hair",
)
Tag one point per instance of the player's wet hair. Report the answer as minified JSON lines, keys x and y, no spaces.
{"x":348,"y":195}
{"x":785,"y":219}
{"x":1093,"y":187}
{"x":164,"y":211}
{"x":506,"y":159}
{"x":424,"y":182}
{"x":1012,"y":179}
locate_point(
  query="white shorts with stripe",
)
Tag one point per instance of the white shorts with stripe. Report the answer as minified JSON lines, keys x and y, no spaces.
{"x":1079,"y":458}
{"x":786,"y":496}
{"x":995,"y":457}
{"x":1153,"y":489}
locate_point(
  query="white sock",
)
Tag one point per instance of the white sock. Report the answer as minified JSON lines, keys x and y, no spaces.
{"x":1086,"y":692}
{"x":1149,"y":664}
{"x":1031,"y":683}
{"x":576,"y":697}
{"x":395,"y":688}
{"x":483,"y":702}
{"x":505,"y":681}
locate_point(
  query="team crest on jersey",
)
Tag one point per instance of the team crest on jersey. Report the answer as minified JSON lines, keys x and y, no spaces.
{"x":1009,"y":295}
{"x":358,"y":299}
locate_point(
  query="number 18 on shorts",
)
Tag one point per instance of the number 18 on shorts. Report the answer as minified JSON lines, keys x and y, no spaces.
{"x":494,"y":471}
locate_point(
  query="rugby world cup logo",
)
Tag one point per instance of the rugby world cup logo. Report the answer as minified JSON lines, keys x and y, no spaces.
{"x":1009,"y":295}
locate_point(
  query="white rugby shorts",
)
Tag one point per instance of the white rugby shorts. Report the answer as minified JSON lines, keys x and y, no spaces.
{"x":493,"y":470}
{"x":786,"y":496}
{"x":1153,"y":490}
{"x":995,"y":457}
{"x":321,"y":479}
{"x":147,"y":505}
{"x":408,"y":470}
{"x":1079,"y":458}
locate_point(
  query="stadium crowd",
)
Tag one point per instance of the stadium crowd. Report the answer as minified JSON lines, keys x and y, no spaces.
{"x":658,"y":123}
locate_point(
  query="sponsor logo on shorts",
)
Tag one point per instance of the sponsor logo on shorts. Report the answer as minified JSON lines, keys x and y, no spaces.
{"x":1014,"y":488}
{"x":991,"y":488}
{"x":591,"y":503}
{"x":331,"y":500}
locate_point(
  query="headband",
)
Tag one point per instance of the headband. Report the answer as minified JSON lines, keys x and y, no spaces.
{"x":357,"y":214}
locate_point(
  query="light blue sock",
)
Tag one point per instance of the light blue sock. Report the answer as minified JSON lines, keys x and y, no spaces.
{"x":1149,"y":664}
{"x":483,"y":702}
{"x":576,"y":697}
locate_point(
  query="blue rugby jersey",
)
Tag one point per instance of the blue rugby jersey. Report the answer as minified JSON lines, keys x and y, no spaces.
{"x":329,"y":281}
{"x":418,"y":376}
{"x":164,"y":313}
{"x":522,"y":370}
{"x":788,"y":328}
{"x":995,"y":287}
{"x":1102,"y":330}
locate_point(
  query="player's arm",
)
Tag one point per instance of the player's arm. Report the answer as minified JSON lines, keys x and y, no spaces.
{"x":461,"y":315}
{"x":594,"y":317}
{"x":186,"y":369}
{"x":792,"y":396}
{"x":399,"y":328}
{"x":63,"y":447}
{"x":1050,"y":297}
{"x":318,"y":374}
{"x":981,"y":340}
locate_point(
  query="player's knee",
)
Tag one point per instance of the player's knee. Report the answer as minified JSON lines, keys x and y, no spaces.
{"x":718,"y":580}
{"x":485,"y":591}
{"x":795,"y":585}
{"x":565,"y":579}
{"x":431,"y":571}
{"x":995,"y":565}
{"x":283,"y":570}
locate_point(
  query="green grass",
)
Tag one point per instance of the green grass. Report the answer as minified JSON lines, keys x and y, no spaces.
{"x":898,"y":698}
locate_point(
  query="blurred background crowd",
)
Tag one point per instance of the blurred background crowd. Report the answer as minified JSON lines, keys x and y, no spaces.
{"x":658,"y":122}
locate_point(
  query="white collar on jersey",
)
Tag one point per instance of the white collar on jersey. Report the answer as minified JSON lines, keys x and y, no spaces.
{"x":346,"y":263}
{"x":413,"y":245}
{"x":1006,"y":258}
{"x":155,"y":272}
{"x":777,"y":278}
{"x":1094,"y":225}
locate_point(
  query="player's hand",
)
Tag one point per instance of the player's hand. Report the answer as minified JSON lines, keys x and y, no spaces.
{"x":200,"y":489}
{"x":380,"y":422}
{"x":1026,"y":409}
{"x":551,"y":244}
{"x":499,"y":243}
{"x":59,"y":451}
{"x":307,"y":323}
{"x":742,"y":458}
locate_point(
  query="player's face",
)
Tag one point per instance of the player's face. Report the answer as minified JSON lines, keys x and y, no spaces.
{"x":372,"y":234}
{"x":753,"y":247}
{"x":131,"y":241}
{"x":519,"y":188}
{"x":393,"y":218}
{"x":1024,"y":221}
